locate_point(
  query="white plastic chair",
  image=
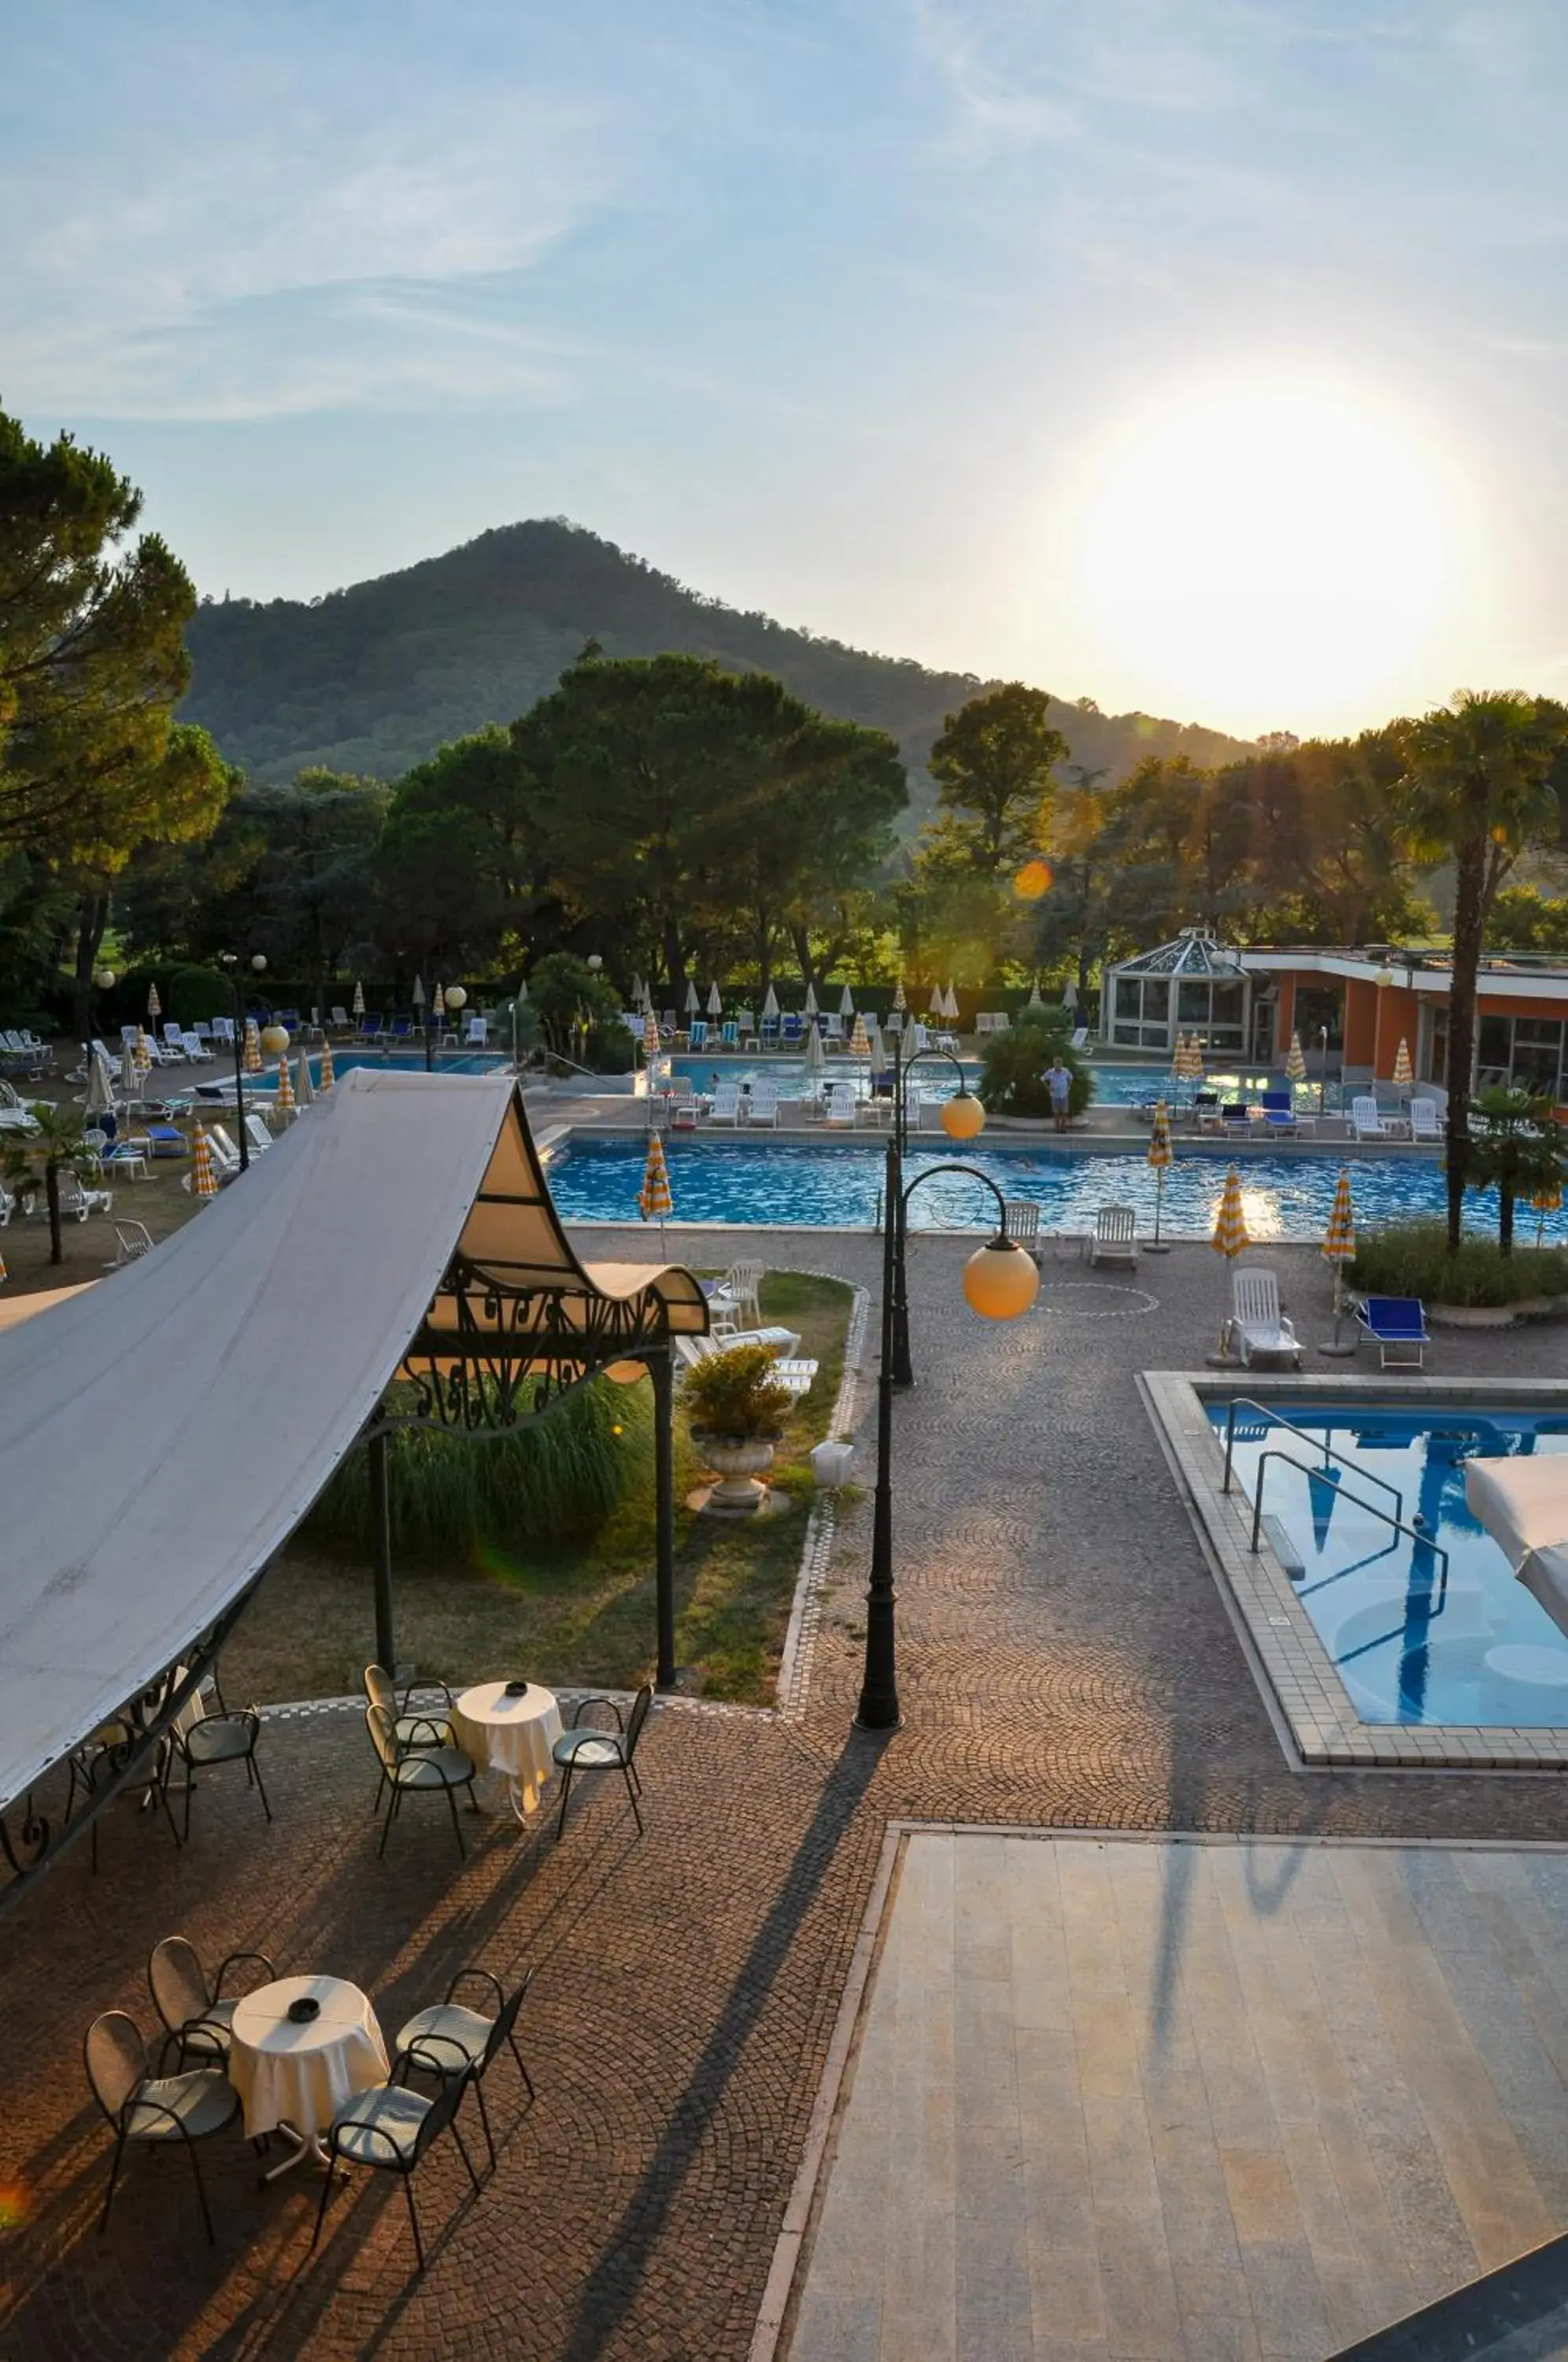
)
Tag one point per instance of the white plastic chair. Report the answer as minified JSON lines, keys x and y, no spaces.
{"x":1023,"y":1224}
{"x":1114,"y":1239}
{"x":1366,"y":1123}
{"x":1256,"y":1321}
{"x":727,"y":1104}
{"x":1424,"y":1121}
{"x":763,"y":1105}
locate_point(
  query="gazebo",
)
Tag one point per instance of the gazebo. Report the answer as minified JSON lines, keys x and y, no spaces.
{"x":1195,"y":984}
{"x":394,"y":1259}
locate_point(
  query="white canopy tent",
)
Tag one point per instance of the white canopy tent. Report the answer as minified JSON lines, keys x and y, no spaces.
{"x":1523,"y":1504}
{"x":163,"y":1432}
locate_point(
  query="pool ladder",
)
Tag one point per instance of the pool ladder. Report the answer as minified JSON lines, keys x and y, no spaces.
{"x":1317,"y":1468}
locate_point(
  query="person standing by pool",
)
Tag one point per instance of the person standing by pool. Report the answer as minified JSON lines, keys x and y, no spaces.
{"x":1059,"y":1083}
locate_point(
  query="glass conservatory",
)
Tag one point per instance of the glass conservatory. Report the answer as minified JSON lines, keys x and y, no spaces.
{"x":1193,"y":986}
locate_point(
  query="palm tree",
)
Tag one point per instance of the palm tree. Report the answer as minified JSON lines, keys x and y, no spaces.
{"x":1483,"y":779}
{"x":1517,"y":1151}
{"x":56,"y":1139}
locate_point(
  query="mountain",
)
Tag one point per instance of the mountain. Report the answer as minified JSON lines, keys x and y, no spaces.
{"x":375,"y":677}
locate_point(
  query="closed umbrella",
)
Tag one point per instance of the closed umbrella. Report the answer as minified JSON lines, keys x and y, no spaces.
{"x":814,"y":1055}
{"x":143,"y":1054}
{"x":1294,"y":1064}
{"x":1070,"y":995}
{"x":847,"y":1002}
{"x":936,"y":1006}
{"x":304,"y":1089}
{"x":771,"y":1002}
{"x":650,"y":1038}
{"x":950,"y":1005}
{"x":1339,"y":1248}
{"x":638,"y":990}
{"x":100,"y":1095}
{"x":715,"y":1001}
{"x":654,"y":1200}
{"x":285,"y":1086}
{"x":203,"y":1180}
{"x":1545,"y":1201}
{"x":154,"y":1005}
{"x":329,"y":1078}
{"x":1160,"y":1159}
{"x":810,"y":1004}
{"x":417,"y":996}
{"x":860,"y":1039}
{"x":1403,"y":1078}
{"x":1034,"y":1000}
{"x":357,"y":1005}
{"x":1230,"y":1237}
{"x":693,"y":998}
{"x":250,"y":1057}
{"x":899,"y":1001}
{"x":875,"y":1049}
{"x":438,"y":1005}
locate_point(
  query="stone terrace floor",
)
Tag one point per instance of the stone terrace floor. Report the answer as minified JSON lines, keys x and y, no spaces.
{"x":1065,"y":1662}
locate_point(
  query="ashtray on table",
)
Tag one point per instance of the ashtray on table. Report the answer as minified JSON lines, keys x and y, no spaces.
{"x":301,"y":2012}
{"x":516,"y":1689}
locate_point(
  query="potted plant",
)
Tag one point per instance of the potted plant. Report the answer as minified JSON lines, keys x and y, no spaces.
{"x":736,"y":1407}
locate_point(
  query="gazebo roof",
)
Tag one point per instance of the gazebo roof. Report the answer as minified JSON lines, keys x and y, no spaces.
{"x":1194,"y":953}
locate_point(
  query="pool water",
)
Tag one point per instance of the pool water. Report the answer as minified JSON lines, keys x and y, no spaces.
{"x":840,"y":1186}
{"x":1113,"y":1086}
{"x":1410,"y":1649}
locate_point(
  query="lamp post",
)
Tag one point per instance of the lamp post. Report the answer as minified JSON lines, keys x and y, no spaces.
{"x":230,"y":960}
{"x":963,"y":1119}
{"x":102,"y":980}
{"x":1323,"y":1072}
{"x":457,"y":1001}
{"x":999,"y":1282}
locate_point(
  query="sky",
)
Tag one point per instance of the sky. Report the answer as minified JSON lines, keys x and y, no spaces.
{"x":1208,"y":357}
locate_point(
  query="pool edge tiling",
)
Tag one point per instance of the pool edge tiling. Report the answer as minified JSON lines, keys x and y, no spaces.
{"x":1318,"y":1718}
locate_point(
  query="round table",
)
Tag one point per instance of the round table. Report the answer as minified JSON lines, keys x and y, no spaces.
{"x":512,"y":1736}
{"x":298,"y":2079}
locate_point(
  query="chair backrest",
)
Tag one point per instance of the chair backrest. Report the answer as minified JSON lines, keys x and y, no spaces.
{"x":641,"y":1705}
{"x":223,"y":1028}
{"x":135,"y":1240}
{"x":1114,"y":1224}
{"x":383,"y":1729}
{"x":178,"y":1983}
{"x":340,"y":1015}
{"x":729,"y":1032}
{"x":727,"y":1098}
{"x":72,"y":1196}
{"x":697,"y":1033}
{"x":1205,"y":1098}
{"x":116,"y":2059}
{"x":1424,"y":1116}
{"x":1254,"y":1295}
{"x":1023,"y":1219}
{"x":764,"y":1095}
{"x":439,"y":2115}
{"x":256,"y":1131}
{"x":1277,"y":1102}
{"x":477,"y":1032}
{"x":505,"y":2019}
{"x":379,"y":1688}
{"x":742,"y":1280}
{"x":1364,"y":1112}
{"x":1397,"y":1315}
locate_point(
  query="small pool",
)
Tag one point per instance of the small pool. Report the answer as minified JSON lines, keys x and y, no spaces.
{"x":1113,"y":1086}
{"x":841,"y":1184}
{"x":219,"y":1078}
{"x":1409,"y":1648}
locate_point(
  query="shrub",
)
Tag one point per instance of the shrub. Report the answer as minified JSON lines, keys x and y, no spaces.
{"x":1013,"y":1065}
{"x":735,"y":1395}
{"x":554,"y":1478}
{"x":1412,"y":1259}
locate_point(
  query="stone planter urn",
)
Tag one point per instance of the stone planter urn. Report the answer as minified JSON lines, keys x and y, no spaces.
{"x":738,"y":1461}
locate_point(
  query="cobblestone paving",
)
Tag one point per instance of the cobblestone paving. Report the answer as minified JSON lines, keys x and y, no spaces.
{"x":1065,"y":1660}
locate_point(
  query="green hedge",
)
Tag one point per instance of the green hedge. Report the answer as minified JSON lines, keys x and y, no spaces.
{"x":1012,"y":1068}
{"x":1412,"y":1259}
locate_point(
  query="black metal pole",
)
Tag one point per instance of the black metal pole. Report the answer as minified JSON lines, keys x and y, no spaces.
{"x":903,"y":1367}
{"x":239,"y":1076}
{"x":380,"y":1519}
{"x":878,"y":1708}
{"x":661,"y":1371}
{"x":425,"y":1016}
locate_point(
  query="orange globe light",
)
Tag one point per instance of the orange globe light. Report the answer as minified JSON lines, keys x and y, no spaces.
{"x":963,"y":1116}
{"x":624,"y":1373}
{"x":275,"y":1040}
{"x":1000,"y":1280}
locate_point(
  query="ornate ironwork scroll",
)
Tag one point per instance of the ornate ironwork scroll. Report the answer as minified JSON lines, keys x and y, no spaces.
{"x":35,"y":1828}
{"x":490,"y":1354}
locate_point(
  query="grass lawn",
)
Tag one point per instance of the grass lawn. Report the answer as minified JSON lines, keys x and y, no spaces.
{"x":582,"y":1613}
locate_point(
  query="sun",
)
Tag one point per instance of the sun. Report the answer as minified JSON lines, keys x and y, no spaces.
{"x":1264,"y":553}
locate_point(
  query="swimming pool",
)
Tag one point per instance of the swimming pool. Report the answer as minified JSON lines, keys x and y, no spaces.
{"x":840,"y":1186}
{"x":1113,"y":1086}
{"x":1410,"y":1649}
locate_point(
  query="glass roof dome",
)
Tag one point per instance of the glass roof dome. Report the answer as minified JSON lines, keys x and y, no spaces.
{"x":1194,"y":953}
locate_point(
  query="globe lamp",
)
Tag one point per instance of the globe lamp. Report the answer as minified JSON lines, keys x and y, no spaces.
{"x":274,"y":1039}
{"x":456,"y":996}
{"x":258,"y":961}
{"x":963,"y":1116}
{"x":1000,"y":1280}
{"x":624,"y":1373}
{"x":104,"y":978}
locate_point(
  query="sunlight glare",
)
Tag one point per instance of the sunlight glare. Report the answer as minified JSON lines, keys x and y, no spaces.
{"x":1265,"y":551}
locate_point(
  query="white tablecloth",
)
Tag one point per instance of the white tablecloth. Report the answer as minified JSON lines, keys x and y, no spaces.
{"x":304,"y":2075}
{"x":509,"y":1734}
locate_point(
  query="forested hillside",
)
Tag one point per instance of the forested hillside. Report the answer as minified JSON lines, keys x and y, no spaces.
{"x":372,"y":679}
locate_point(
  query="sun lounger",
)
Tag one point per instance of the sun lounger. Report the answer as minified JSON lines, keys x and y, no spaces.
{"x":762,"y":1107}
{"x":257,"y":1133}
{"x":1206,"y":1107}
{"x":1114,"y":1239}
{"x":784,"y":1342}
{"x":1257,"y":1324}
{"x":697,"y":1033}
{"x":1366,"y":1123}
{"x":1397,"y":1325}
{"x":727,"y":1104}
{"x":1023,"y":1224}
{"x":839,"y":1106}
{"x":1234,"y":1116}
{"x":729,"y":1035}
{"x":1279,"y":1110}
{"x":1425,"y":1124}
{"x":1081,"y":1037}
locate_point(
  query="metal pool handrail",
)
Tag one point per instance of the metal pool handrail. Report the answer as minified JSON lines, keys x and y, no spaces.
{"x":1416,"y":1534}
{"x":1266,"y":1410}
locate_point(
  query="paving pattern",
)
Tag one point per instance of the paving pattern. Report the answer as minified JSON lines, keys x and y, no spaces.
{"x":1065,"y":1663}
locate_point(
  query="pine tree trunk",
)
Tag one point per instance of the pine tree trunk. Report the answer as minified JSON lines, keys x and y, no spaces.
{"x":1469,"y":895}
{"x":91,"y":917}
{"x":51,"y":1193}
{"x":1505,"y":1218}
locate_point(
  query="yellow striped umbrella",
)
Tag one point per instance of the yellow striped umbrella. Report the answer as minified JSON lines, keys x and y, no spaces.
{"x":1230,"y":1237}
{"x":1545,"y":1201}
{"x":1294,"y":1064}
{"x":285,"y":1086}
{"x":357,"y":1005}
{"x":327,"y":1076}
{"x":654,"y":1200}
{"x":899,"y":1000}
{"x":203,"y":1180}
{"x":154,"y":1005}
{"x":143,"y":1053}
{"x":251,"y":1057}
{"x":1339,"y":1248}
{"x":1161,"y":1155}
{"x":1403,"y":1078}
{"x":650,"y":1037}
{"x":860,"y":1039}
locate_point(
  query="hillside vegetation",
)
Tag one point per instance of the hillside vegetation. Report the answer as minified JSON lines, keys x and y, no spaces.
{"x":374,"y":678}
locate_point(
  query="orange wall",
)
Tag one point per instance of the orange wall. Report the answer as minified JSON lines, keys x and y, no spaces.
{"x":1361,"y":1020}
{"x":1400,"y":1016}
{"x":1285,"y":1020}
{"x":1401,"y":1007}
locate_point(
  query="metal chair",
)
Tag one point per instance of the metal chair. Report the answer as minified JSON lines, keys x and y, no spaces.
{"x":449,"y":2040}
{"x":197,"y":2014}
{"x":217,"y":1738}
{"x":380,"y":1690}
{"x":603,"y":1751}
{"x":141,"y":2106}
{"x":427,"y":1767}
{"x":391,"y":2130}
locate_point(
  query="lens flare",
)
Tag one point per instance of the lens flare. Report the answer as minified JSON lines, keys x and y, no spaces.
{"x":1032,"y":880}
{"x":14,"y":2205}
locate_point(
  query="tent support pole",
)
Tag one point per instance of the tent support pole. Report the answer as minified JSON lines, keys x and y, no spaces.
{"x":381,"y":1514}
{"x":661,"y":1371}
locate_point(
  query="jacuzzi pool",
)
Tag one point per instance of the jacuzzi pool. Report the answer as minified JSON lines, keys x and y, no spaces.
{"x":1409,"y":1645}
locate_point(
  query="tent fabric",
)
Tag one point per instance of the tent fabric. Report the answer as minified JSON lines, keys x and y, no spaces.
{"x":163,"y":1432}
{"x":1523,"y":1504}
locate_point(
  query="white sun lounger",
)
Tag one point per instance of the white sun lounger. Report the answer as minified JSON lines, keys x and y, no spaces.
{"x":1424,"y":1121}
{"x":1256,"y":1321}
{"x":1366,"y":1122}
{"x":727,"y":1104}
{"x":1114,"y":1239}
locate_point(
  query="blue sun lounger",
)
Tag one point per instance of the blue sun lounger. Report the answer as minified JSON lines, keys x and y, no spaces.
{"x":1398,"y":1326}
